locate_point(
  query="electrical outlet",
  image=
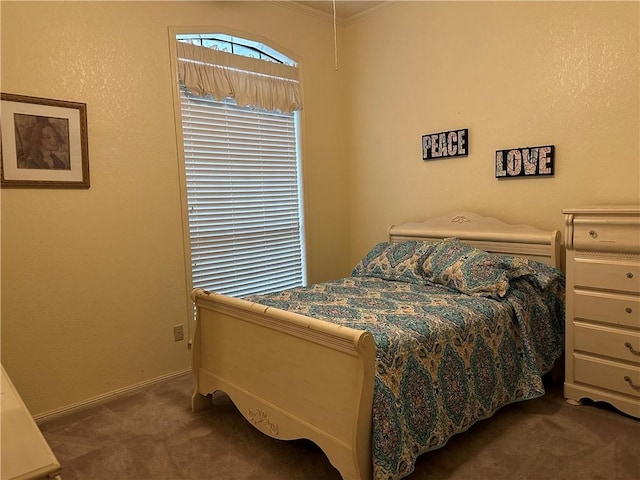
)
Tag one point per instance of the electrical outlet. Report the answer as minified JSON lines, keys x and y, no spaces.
{"x":178,"y":333}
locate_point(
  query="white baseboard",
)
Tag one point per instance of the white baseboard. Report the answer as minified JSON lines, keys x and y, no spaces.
{"x":90,"y":402}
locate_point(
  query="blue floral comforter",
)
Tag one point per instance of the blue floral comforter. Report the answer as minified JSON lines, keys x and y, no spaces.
{"x":444,"y":359}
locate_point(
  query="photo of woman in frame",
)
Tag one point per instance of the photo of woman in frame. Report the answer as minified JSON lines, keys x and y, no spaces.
{"x":42,"y":142}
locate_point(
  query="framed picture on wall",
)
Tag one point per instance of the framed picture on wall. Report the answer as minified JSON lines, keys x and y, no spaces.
{"x":44,"y":143}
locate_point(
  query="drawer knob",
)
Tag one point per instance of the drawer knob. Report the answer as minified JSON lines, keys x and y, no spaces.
{"x":628,"y":310}
{"x":631,"y":349}
{"x":593,"y":234}
{"x":629,"y":275}
{"x":630,"y":382}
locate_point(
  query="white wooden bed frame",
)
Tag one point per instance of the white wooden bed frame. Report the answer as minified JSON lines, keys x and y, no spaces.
{"x":295,"y":377}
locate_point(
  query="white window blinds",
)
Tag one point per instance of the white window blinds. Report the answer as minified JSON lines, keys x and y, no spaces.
{"x":244,"y":200}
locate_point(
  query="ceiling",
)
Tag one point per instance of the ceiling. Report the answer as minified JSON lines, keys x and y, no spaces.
{"x":345,"y":9}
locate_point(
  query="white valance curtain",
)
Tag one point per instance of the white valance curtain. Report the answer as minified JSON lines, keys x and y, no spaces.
{"x":249,"y":81}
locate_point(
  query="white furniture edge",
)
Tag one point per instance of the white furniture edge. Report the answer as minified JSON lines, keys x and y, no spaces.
{"x":294,"y":376}
{"x":25,"y":452}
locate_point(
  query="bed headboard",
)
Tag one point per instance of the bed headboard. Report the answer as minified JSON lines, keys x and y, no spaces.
{"x":486,"y":233}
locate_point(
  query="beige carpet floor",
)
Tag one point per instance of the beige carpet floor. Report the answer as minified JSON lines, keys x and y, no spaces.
{"x":152,"y":434}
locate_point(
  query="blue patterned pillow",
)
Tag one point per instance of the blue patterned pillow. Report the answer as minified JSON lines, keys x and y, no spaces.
{"x":460,"y":266}
{"x":401,"y":262}
{"x":544,"y":275}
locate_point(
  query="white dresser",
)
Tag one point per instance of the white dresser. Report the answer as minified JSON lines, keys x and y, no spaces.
{"x":603,"y":306}
{"x":24,"y":452}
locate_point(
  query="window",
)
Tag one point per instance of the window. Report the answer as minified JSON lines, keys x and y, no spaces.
{"x":243,"y":183}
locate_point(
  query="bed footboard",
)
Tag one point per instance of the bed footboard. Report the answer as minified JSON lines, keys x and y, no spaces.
{"x":290,"y":375}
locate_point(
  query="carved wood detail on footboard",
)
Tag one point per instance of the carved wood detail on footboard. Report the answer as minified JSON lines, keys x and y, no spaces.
{"x":290,"y":375}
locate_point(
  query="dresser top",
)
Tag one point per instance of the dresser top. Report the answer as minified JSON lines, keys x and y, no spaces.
{"x":611,"y":209}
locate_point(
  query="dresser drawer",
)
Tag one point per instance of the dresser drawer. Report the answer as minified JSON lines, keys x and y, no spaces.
{"x":623,"y":275}
{"x":607,"y":234}
{"x":609,"y":342}
{"x":614,"y":308}
{"x":607,"y":374}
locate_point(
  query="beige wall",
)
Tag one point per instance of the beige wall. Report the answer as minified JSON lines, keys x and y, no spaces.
{"x":515,"y":74}
{"x":94,"y":280}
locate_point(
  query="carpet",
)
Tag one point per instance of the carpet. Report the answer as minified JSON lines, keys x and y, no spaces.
{"x":152,"y":434}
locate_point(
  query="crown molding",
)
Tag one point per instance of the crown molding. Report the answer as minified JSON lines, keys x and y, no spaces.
{"x":300,"y":7}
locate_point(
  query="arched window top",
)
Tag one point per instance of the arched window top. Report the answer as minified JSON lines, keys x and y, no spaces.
{"x":251,"y":73}
{"x":237,"y":46}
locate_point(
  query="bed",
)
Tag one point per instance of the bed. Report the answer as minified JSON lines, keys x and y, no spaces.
{"x":436,"y":328}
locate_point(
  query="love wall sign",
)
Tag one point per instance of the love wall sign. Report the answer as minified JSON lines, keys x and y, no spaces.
{"x":525,"y":162}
